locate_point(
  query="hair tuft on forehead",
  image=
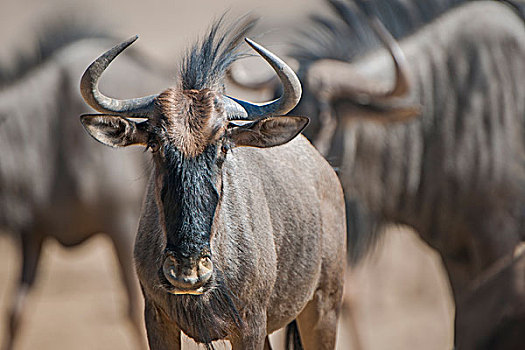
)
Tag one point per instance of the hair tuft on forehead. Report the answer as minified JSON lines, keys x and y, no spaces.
{"x":206,"y":62}
{"x":190,"y":118}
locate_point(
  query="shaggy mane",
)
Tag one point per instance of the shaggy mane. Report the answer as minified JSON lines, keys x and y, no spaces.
{"x":348,"y":35}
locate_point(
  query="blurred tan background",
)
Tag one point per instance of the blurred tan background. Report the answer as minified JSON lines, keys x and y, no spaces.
{"x":400,"y":294}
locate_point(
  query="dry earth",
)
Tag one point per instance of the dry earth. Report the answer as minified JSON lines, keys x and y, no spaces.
{"x":401,"y":298}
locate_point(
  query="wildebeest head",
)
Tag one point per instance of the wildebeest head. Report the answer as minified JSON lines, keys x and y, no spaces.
{"x":333,"y":80}
{"x":189,"y":129}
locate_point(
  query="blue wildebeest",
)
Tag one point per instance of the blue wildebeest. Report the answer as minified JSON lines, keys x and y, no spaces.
{"x":233,"y":242}
{"x":455,"y":174}
{"x":53,"y":182}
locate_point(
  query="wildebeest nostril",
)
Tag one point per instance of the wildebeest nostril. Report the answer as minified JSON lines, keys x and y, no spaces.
{"x":205,"y":267}
{"x":187,"y":274}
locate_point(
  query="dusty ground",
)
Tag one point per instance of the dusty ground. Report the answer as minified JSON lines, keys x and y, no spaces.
{"x":401,"y":297}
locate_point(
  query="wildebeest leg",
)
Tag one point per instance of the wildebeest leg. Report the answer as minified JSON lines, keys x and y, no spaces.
{"x":123,"y":244}
{"x":31,"y":249}
{"x":162,"y":334}
{"x":317,"y":323}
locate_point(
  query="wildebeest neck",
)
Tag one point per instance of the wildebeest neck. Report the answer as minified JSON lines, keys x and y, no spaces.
{"x":189,"y":198}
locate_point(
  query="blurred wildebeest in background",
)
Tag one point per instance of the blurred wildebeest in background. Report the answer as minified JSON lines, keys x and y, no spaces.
{"x":456,"y":173}
{"x":53,"y":181}
{"x":233,"y":243}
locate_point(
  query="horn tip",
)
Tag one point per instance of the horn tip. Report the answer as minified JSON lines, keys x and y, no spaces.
{"x":258,"y":47}
{"x":131,"y":40}
{"x":252,"y":43}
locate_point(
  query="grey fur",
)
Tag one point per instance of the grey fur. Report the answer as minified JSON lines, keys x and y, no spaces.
{"x":279,"y":246}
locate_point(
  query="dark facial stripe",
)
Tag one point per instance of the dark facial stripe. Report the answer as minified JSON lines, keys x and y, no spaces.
{"x":189,"y":198}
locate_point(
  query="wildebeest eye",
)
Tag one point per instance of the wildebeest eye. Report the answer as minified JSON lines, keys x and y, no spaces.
{"x":153,"y":146}
{"x":225,"y":148}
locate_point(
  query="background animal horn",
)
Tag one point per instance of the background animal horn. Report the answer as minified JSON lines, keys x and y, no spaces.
{"x":137,"y":107}
{"x":240,"y":77}
{"x":334,"y":79}
{"x":401,"y":85}
{"x":284,"y":104}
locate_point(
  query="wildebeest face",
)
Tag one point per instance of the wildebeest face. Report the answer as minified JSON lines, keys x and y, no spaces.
{"x":189,"y":135}
{"x":184,"y":131}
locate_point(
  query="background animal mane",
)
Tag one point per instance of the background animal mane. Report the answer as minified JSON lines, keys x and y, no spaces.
{"x":54,"y":35}
{"x":206,"y":62}
{"x":348,"y":36}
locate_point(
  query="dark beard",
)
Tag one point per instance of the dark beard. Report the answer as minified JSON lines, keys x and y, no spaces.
{"x":208,"y":317}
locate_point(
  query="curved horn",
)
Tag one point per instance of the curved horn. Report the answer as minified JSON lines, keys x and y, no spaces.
{"x":137,"y":107}
{"x":401,"y":85}
{"x":337,"y":79}
{"x":284,"y":104}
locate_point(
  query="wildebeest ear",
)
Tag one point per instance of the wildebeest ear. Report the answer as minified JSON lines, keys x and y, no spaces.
{"x":267,"y":132}
{"x":115,"y":131}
